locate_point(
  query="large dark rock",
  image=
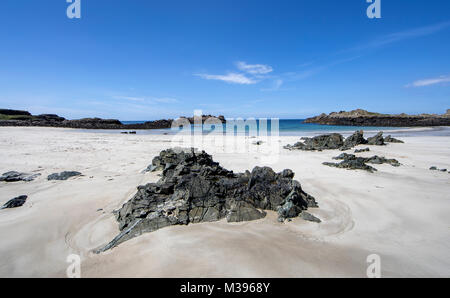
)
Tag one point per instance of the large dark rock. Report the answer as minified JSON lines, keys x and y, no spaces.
{"x":322,"y":142}
{"x":390,"y":139}
{"x":195,"y":189}
{"x":63,"y":175}
{"x":361,"y":117}
{"x":14,"y":112}
{"x":354,"y":140}
{"x":14,"y":176}
{"x":16,"y":202}
{"x":352,"y":162}
{"x":377,"y":139}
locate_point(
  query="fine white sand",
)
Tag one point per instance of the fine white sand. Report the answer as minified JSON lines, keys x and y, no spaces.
{"x":401,"y":214}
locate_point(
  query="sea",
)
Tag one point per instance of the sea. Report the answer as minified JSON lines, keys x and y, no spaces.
{"x":297,"y":127}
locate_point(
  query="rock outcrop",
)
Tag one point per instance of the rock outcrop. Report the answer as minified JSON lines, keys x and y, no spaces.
{"x":195,"y":189}
{"x":63,"y":175}
{"x":352,"y":162}
{"x":24,"y":118}
{"x":14,"y":176}
{"x":16,"y":202}
{"x":322,"y":142}
{"x":376,"y":140}
{"x":336,"y":141}
{"x":362,"y":150}
{"x":390,"y":139}
{"x":364,"y":118}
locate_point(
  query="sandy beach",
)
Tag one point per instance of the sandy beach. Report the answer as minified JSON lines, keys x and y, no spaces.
{"x":400,"y":213}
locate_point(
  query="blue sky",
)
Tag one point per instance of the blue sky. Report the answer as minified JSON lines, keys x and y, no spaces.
{"x":143,"y":60}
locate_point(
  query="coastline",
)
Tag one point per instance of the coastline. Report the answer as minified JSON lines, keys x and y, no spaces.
{"x":398,"y":213}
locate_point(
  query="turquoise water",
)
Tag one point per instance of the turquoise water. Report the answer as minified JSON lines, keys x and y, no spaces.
{"x":287,"y":127}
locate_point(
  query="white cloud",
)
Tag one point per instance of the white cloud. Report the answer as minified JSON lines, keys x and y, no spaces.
{"x":129,"y":98}
{"x":429,"y":82}
{"x":233,"y":78}
{"x":165,"y":100}
{"x":254,"y":68}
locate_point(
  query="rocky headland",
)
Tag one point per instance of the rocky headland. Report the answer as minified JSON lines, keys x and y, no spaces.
{"x":195,"y":189}
{"x":24,"y":118}
{"x":364,"y":118}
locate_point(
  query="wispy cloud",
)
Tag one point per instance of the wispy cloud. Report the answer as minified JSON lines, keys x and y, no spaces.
{"x":255,"y":69}
{"x":429,"y":82}
{"x":129,"y":98}
{"x":403,"y":35}
{"x":276,"y":85}
{"x":233,"y":78}
{"x":249,"y":74}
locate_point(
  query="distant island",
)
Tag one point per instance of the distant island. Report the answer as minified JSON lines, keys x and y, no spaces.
{"x":364,"y":118}
{"x":24,"y":118}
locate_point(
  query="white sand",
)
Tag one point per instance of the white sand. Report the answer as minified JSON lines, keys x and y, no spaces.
{"x":402,"y":214}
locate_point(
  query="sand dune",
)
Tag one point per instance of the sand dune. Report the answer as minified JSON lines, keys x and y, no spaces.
{"x":399,"y":213}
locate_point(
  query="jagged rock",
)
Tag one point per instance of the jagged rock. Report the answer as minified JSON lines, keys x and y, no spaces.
{"x":390,"y":139}
{"x":16,"y":202}
{"x":14,"y":176}
{"x":195,"y":189}
{"x":361,"y":117}
{"x":354,"y":140}
{"x":374,"y":159}
{"x":351,"y":161}
{"x":322,"y":142}
{"x":354,"y":164}
{"x":309,"y":217}
{"x":377,"y":140}
{"x":63,"y":175}
{"x":362,"y":150}
{"x":336,"y":141}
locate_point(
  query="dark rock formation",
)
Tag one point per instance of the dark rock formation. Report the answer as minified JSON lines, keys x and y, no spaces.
{"x":436,"y":169}
{"x":377,"y":139}
{"x":351,"y":161}
{"x":63,"y":175}
{"x":336,"y":141}
{"x":16,"y":202}
{"x":9,"y":112}
{"x":14,"y":176}
{"x":309,"y":217}
{"x":196,"y":189}
{"x":354,"y":140}
{"x":204,"y":118}
{"x":362,"y":150}
{"x":322,"y":142}
{"x":390,"y":139}
{"x":364,"y":118}
{"x":353,"y":164}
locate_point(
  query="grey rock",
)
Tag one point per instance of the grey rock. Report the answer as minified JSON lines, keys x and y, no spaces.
{"x":377,"y":139}
{"x":195,"y":189}
{"x":63,"y":175}
{"x":309,"y":217}
{"x":322,"y":142}
{"x":362,"y":150}
{"x":351,"y":161}
{"x":14,"y":176}
{"x":354,"y":140}
{"x":16,"y":202}
{"x":390,"y":139}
